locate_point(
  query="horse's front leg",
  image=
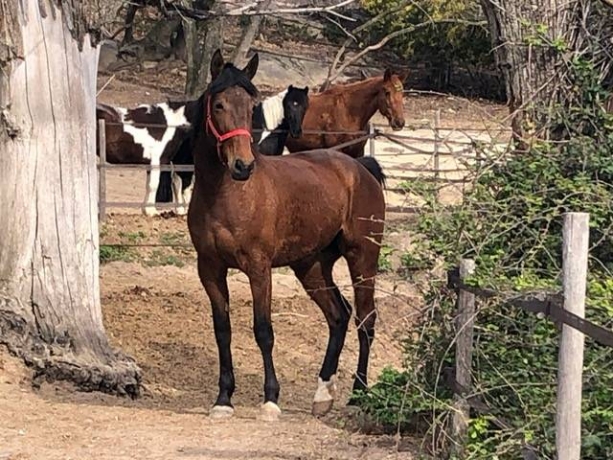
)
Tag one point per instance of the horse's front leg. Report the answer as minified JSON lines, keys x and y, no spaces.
{"x":153,"y":182}
{"x":213,"y":278}
{"x":261,"y":289}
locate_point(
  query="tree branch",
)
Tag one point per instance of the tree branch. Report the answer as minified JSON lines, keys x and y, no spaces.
{"x":252,"y":10}
{"x":354,"y":32}
{"x":398,"y":33}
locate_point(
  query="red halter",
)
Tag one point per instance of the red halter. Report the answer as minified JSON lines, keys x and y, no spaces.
{"x":210,"y":128}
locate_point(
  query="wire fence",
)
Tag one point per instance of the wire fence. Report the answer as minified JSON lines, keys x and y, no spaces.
{"x":566,"y":309}
{"x":428,"y":151}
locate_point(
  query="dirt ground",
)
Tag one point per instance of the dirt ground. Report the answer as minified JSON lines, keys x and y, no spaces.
{"x":155,"y":310}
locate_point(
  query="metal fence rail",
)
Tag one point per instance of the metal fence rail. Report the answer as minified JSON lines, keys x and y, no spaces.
{"x":432,"y":171}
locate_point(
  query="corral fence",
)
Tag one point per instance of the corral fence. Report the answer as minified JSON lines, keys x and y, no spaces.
{"x":566,"y":308}
{"x":434,"y":153}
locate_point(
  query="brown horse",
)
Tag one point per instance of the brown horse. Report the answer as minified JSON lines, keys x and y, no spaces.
{"x":347,"y":109}
{"x":254,"y":212}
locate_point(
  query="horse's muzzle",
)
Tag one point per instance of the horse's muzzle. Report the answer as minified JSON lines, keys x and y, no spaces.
{"x":295,"y":133}
{"x":396,"y":124}
{"x":241,"y":170}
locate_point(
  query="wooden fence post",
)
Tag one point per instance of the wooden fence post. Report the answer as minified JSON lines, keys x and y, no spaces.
{"x":371,"y":140}
{"x":576,"y":234}
{"x":464,"y":325}
{"x":102,"y":171}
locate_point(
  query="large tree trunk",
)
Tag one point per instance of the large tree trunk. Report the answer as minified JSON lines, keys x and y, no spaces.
{"x":50,"y":311}
{"x":202,"y":38}
{"x":523,"y":32}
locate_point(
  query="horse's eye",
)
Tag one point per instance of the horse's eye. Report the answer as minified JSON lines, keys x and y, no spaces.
{"x":218,"y":106}
{"x":387,"y":93}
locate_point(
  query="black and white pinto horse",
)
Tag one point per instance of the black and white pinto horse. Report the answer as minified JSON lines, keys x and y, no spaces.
{"x":147,"y":134}
{"x":274,"y":119}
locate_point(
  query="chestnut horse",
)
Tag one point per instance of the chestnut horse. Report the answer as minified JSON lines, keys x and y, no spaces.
{"x":254,"y":212}
{"x":348,"y":109}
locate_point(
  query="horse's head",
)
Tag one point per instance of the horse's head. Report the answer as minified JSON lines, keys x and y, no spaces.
{"x":230,"y":100}
{"x":390,"y":99}
{"x":295,"y":105}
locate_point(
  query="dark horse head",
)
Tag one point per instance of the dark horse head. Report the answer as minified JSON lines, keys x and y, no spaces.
{"x":228,"y":118}
{"x":295,"y":105}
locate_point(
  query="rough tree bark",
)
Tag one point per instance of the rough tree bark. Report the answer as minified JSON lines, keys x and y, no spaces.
{"x":523,"y":32}
{"x":240,"y":53}
{"x":202,"y":38}
{"x":50,"y":311}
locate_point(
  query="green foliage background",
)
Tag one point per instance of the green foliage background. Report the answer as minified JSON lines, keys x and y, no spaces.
{"x":510,"y":222}
{"x":438,"y":46}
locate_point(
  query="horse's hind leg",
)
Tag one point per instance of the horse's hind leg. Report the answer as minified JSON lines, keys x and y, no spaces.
{"x":316,"y":278}
{"x":362,"y":259}
{"x":177,"y":192}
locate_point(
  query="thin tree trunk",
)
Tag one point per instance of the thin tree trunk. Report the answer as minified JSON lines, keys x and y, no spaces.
{"x":50,"y":312}
{"x":240,"y":53}
{"x":202,"y":38}
{"x":523,"y":32}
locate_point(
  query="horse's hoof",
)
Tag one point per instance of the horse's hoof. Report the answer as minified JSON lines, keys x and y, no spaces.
{"x":269,"y":412}
{"x":324,"y":396}
{"x":181,"y":211}
{"x":150,"y":212}
{"x":321,"y":408}
{"x":219,"y":412}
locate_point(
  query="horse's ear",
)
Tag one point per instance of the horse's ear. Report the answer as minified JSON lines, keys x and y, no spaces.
{"x":403,"y":75}
{"x":306,"y":90}
{"x":217,"y":64}
{"x":252,"y":66}
{"x":291,"y":87}
{"x":387,"y":75}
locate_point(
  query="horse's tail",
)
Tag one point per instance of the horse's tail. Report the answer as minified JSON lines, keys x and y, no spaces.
{"x":164,"y":192}
{"x":374,"y":168}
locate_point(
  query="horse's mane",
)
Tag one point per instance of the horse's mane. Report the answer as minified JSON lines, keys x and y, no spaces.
{"x":342,"y":87}
{"x":232,"y":76}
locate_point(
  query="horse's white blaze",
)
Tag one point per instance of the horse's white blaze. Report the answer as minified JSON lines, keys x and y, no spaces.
{"x":272,"y":109}
{"x":325,"y":390}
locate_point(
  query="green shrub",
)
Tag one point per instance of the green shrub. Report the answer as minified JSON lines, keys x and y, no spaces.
{"x":510,"y":222}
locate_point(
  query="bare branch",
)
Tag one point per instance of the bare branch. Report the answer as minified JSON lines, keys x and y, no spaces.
{"x":398,"y":33}
{"x":358,"y":29}
{"x":252,"y":10}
